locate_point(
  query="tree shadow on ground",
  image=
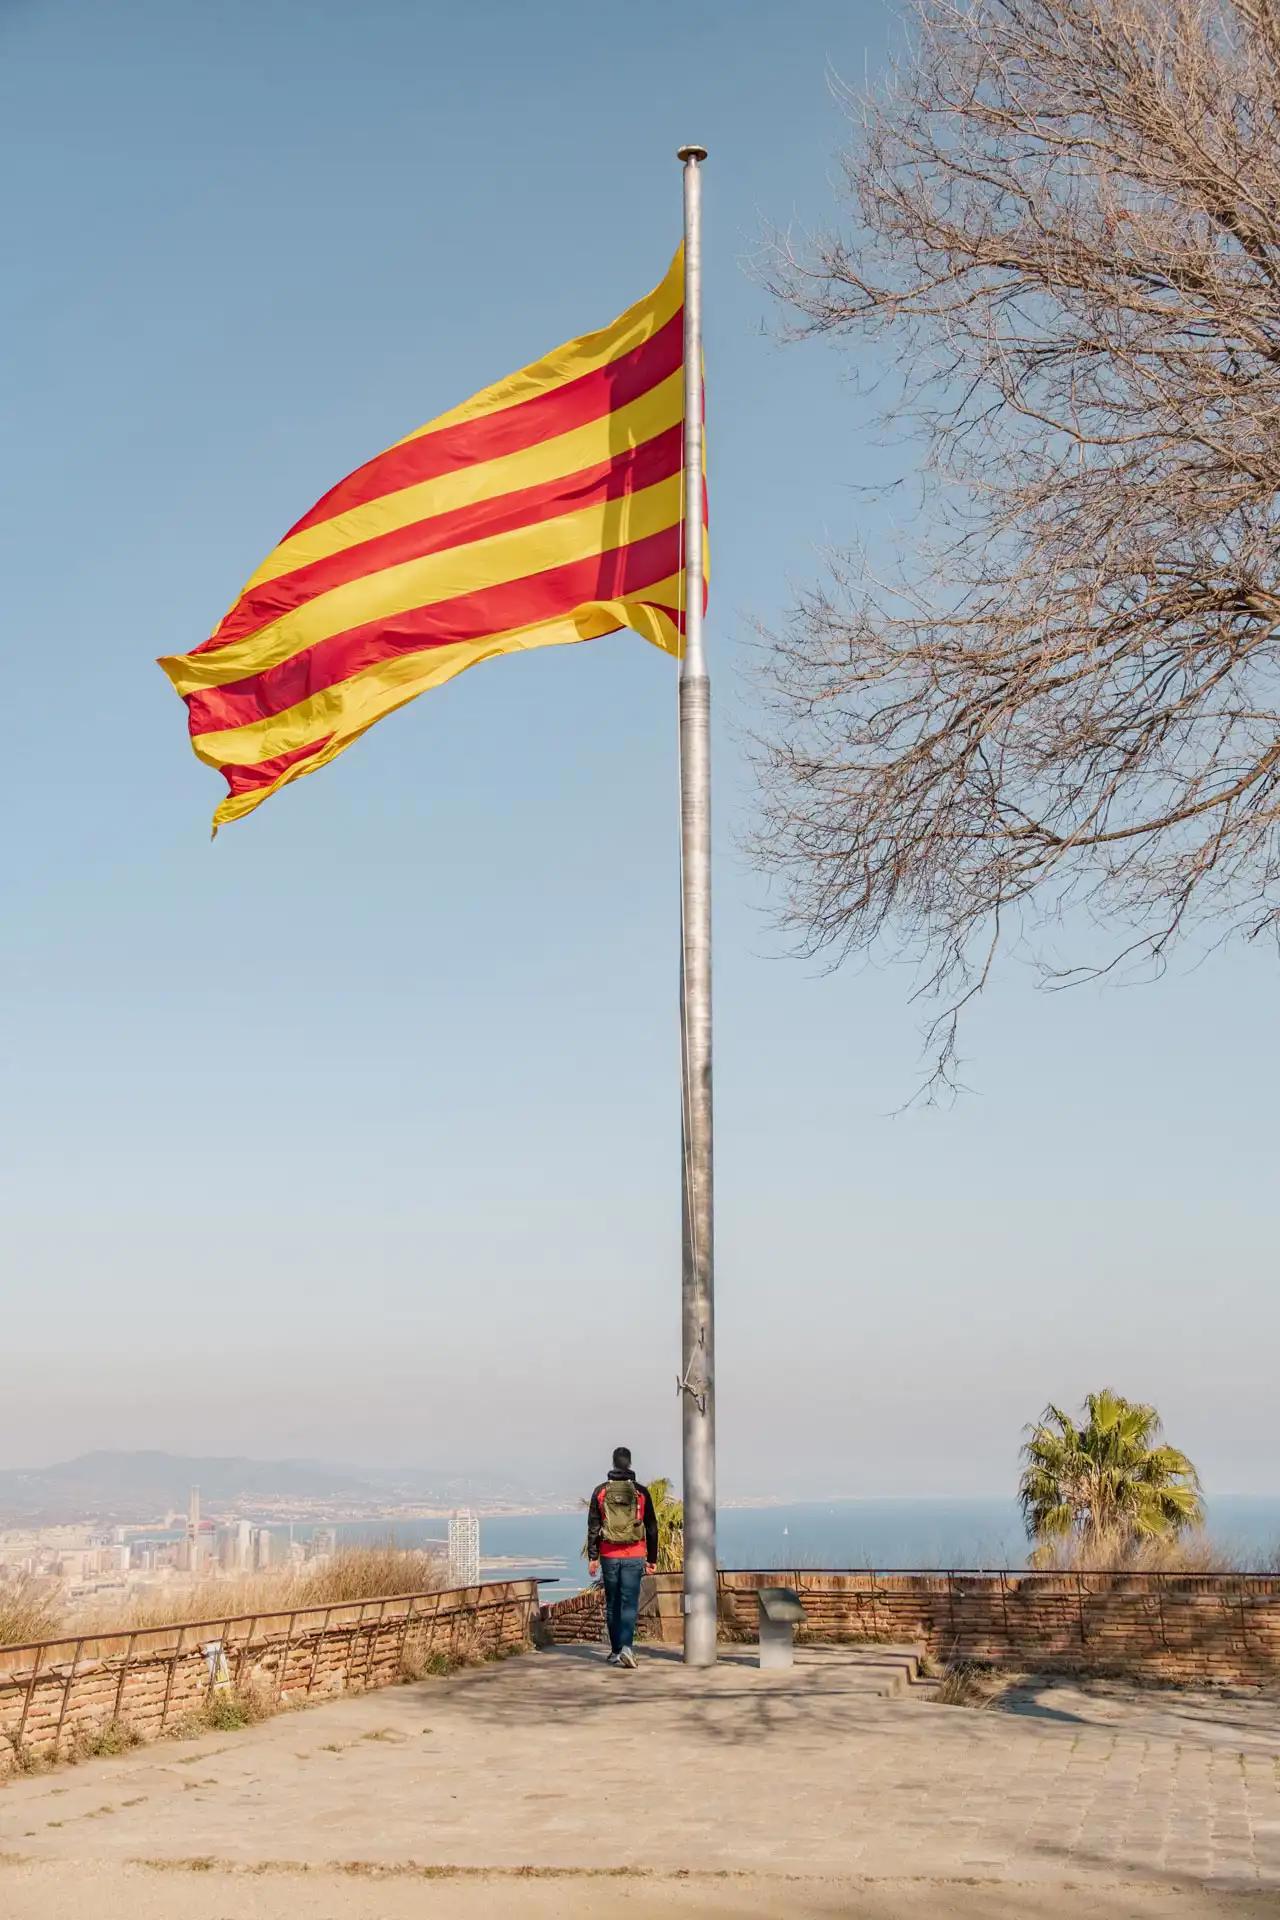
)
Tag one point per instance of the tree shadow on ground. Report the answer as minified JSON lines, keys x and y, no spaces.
{"x":1193,"y":1887}
{"x":731,"y":1704}
{"x":1226,"y":1722}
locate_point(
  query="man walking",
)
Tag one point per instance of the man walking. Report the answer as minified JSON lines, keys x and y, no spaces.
{"x":622,"y":1544}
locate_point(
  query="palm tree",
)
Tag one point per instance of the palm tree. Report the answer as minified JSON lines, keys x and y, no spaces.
{"x":1106,"y":1482}
{"x":670,"y":1517}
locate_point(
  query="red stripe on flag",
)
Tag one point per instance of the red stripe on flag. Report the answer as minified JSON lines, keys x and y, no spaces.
{"x":588,"y":397}
{"x":468,"y":617}
{"x":626,"y":472}
{"x":247,"y":779}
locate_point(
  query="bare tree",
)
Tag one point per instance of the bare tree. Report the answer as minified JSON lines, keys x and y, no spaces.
{"x":1063,"y":221}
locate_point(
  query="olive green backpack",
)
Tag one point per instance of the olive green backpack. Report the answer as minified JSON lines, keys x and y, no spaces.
{"x":620,"y":1514}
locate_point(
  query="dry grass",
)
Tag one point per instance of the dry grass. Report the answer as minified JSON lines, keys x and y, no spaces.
{"x":366,"y":1573}
{"x":29,"y":1610}
{"x":360,"y":1573}
{"x":1193,"y":1552}
{"x":966,"y":1683}
{"x":32,"y":1611}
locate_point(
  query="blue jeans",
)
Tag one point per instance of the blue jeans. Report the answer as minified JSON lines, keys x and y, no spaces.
{"x":621,"y":1599}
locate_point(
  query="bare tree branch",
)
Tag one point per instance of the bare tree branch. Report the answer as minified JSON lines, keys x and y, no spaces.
{"x":1063,"y":217}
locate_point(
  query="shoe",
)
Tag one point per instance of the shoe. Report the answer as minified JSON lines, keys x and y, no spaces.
{"x":626,"y":1658}
{"x":614,"y":1660}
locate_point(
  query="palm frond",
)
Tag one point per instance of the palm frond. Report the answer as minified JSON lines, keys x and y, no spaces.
{"x":1106,"y":1477}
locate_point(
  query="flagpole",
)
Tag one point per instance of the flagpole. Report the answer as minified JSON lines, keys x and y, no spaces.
{"x":697,"y":1382}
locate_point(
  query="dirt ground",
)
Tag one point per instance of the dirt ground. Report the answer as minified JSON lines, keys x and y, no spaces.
{"x":47,"y":1891}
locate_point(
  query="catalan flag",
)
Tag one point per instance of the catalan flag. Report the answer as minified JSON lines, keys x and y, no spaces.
{"x":547,"y":509}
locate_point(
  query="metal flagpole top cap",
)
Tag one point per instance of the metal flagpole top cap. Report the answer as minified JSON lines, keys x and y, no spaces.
{"x":691,"y":152}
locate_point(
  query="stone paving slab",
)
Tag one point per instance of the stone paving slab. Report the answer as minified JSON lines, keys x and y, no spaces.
{"x":556,"y":1761}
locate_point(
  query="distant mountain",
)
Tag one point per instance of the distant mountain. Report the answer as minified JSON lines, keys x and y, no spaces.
{"x":138,"y":1486}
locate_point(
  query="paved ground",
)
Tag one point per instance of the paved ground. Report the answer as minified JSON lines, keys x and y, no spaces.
{"x":1246,"y":1723}
{"x":801,"y":1793}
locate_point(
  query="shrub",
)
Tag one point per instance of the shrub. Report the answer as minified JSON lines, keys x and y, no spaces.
{"x":23,"y":1758}
{"x":116,"y":1737}
{"x":233,"y":1708}
{"x":966,"y":1684}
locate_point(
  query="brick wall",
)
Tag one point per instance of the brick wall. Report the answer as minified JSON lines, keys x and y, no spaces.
{"x":58,"y":1693}
{"x":577,"y":1620}
{"x":1220,"y":1628}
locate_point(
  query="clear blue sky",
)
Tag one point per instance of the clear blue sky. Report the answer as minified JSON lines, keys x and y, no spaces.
{"x":354,"y":1134}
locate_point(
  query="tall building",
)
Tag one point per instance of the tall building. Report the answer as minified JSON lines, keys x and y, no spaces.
{"x":464,"y":1548}
{"x":194,"y":1542}
{"x":262,"y":1548}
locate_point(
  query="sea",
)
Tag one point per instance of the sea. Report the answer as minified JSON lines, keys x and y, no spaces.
{"x":921,"y":1534}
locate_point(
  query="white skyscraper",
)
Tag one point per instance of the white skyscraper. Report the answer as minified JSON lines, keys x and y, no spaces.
{"x":464,"y":1548}
{"x":194,"y":1542}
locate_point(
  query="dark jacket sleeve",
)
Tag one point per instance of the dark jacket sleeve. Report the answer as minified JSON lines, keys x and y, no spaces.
{"x":650,"y":1528}
{"x":593,"y":1524}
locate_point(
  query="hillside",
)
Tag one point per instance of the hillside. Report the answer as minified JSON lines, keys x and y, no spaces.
{"x":122,"y":1486}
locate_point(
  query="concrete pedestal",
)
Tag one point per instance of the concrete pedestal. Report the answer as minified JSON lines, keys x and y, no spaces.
{"x":781,"y":1612}
{"x":777,"y":1644}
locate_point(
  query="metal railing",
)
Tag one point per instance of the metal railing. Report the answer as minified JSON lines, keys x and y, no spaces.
{"x":24,"y":1666}
{"x":1272,"y":1578}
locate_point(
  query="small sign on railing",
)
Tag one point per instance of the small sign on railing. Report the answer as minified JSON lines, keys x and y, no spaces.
{"x":219,"y":1672}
